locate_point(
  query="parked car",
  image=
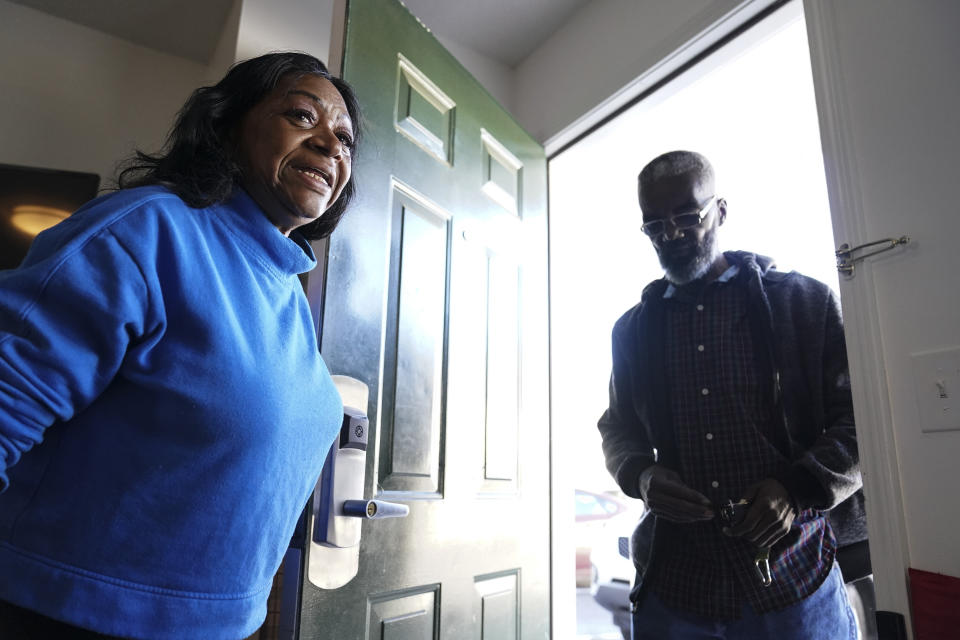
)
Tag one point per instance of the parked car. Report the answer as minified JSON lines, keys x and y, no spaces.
{"x":604,"y":522}
{"x":592,"y":512}
{"x":611,"y":590}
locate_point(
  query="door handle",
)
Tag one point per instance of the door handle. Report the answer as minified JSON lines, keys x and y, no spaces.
{"x":374,"y":509}
{"x":846,"y":261}
{"x":338,"y":505}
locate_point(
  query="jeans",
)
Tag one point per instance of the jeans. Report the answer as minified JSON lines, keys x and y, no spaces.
{"x":823,"y":615}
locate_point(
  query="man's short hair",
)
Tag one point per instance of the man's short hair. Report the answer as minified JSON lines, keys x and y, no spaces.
{"x":675,"y":163}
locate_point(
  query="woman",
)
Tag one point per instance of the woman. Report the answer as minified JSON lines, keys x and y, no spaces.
{"x":164,"y":411}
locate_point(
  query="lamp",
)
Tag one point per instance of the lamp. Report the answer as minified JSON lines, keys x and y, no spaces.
{"x":32,"y":219}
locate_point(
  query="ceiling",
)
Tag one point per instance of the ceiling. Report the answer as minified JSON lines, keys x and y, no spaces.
{"x":186,"y":28}
{"x":503,"y":30}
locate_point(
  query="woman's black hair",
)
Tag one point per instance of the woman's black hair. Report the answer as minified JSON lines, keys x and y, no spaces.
{"x":197,"y":161}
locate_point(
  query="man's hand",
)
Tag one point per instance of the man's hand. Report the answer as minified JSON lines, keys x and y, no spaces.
{"x":770,"y":514}
{"x":668,"y":497}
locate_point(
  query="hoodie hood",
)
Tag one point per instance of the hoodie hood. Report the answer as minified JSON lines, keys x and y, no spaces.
{"x":743,"y":259}
{"x":747,"y":259}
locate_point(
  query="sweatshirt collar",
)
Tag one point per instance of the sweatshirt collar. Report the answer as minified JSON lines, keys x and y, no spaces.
{"x":284,"y":256}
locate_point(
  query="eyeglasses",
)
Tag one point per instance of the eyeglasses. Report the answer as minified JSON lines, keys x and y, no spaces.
{"x":680,"y":221}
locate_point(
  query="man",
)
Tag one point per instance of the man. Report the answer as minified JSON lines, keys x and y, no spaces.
{"x":730,"y":385}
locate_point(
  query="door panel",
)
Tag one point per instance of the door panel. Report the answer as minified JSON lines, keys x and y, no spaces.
{"x":405,"y":615}
{"x":425,"y":114}
{"x":435,"y":297}
{"x":413,"y":374}
{"x":499,"y":606}
{"x":503,"y":374}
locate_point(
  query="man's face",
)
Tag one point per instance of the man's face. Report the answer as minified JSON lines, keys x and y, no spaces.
{"x":685,"y":254}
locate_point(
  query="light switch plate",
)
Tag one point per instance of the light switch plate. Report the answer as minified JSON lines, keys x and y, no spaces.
{"x":936,"y":375}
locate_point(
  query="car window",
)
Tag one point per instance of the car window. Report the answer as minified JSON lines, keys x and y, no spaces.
{"x":609,"y":506}
{"x":589,"y":505}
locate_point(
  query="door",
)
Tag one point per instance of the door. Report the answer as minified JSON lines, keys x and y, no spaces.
{"x":435,"y":297}
{"x":885,"y":76}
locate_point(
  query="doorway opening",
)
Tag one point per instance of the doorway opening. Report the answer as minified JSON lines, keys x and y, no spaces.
{"x":750,"y":108}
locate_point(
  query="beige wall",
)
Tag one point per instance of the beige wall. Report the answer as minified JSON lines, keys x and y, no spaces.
{"x":299,"y":25}
{"x":603,"y":48}
{"x":78,"y":99}
{"x":225,"y":53}
{"x":496,"y":77}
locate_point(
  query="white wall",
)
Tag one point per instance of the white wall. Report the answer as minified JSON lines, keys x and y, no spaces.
{"x":77,"y":99}
{"x":885,"y":75}
{"x":496,"y":77}
{"x":225,"y":53}
{"x":602,"y":48}
{"x":292,"y":25}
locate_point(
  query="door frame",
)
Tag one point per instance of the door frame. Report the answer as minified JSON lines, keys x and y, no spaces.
{"x":726,"y":29}
{"x":337,"y":37}
{"x":876,"y":438}
{"x":871,"y":395}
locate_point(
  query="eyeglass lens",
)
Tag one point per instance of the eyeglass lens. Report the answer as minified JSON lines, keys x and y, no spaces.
{"x":682,"y":221}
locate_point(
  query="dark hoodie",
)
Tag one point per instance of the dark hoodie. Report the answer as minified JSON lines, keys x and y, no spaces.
{"x":795,"y":321}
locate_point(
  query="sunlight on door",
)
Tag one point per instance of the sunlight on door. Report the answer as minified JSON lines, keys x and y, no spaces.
{"x":750,"y":109}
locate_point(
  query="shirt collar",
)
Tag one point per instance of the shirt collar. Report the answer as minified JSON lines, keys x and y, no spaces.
{"x":726,"y":276}
{"x":285,"y":256}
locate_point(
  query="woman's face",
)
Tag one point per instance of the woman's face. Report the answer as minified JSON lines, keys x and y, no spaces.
{"x":294,"y":150}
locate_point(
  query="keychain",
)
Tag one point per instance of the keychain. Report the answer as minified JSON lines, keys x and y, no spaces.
{"x":731,"y":514}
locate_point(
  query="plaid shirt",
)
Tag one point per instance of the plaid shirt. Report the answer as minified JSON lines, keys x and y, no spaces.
{"x":722,"y":421}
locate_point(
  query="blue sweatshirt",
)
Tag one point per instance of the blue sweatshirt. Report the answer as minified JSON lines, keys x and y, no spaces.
{"x":164,"y":415}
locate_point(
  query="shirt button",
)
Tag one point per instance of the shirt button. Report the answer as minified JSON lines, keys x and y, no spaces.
{"x":709,"y":436}
{"x":714,"y":484}
{"x":699,"y":307}
{"x":699,"y":347}
{"x":705,"y":391}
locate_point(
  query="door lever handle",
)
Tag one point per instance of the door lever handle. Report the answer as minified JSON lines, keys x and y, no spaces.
{"x":374,"y":509}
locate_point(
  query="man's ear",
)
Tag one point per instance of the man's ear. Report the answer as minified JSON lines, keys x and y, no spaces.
{"x":722,"y":208}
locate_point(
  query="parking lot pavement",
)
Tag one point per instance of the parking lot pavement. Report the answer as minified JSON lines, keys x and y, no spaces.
{"x":593,"y":621}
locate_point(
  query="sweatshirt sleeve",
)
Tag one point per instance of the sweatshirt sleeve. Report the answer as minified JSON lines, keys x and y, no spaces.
{"x":67,"y":318}
{"x":828,"y":472}
{"x":626,"y":446}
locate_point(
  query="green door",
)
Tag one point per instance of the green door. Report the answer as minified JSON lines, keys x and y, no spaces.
{"x":436,"y":298}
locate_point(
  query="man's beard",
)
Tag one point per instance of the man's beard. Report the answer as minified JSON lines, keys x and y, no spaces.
{"x":684,"y":260}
